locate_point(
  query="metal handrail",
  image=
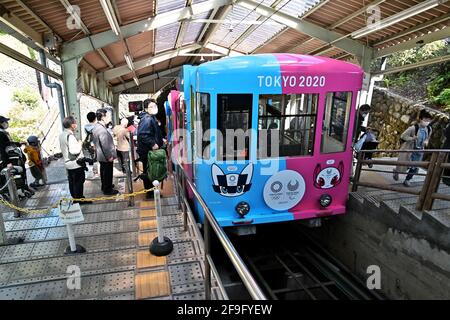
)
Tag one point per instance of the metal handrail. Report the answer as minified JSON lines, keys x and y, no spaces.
{"x":249,"y":282}
{"x":428,"y":192}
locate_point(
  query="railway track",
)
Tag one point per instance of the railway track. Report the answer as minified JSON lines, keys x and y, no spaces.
{"x":289,"y":265}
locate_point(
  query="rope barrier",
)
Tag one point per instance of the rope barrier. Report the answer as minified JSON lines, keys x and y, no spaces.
{"x":54,"y":206}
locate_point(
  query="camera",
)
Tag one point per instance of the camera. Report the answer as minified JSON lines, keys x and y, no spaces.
{"x":82,"y":162}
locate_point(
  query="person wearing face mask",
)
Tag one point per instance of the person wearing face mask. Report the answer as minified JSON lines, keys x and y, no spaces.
{"x":149,"y":137}
{"x":71,"y":150}
{"x":416,"y":137}
{"x":106,"y":151}
{"x":123,"y":143}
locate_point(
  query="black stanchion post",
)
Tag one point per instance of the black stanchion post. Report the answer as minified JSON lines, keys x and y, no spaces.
{"x":161,"y":245}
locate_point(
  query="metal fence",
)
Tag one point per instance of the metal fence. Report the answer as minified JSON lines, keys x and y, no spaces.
{"x":429,"y":190}
{"x":211,"y":224}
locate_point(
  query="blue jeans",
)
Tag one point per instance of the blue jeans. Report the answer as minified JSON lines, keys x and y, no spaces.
{"x":415,"y":156}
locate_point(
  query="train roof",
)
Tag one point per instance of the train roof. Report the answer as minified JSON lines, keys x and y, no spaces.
{"x":300,"y":63}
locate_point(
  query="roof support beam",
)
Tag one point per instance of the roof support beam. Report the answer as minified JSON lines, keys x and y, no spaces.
{"x":415,"y":29}
{"x":29,"y":62}
{"x":351,"y":46}
{"x":82,"y":46}
{"x":130,"y":84}
{"x":182,"y":29}
{"x":140,"y":64}
{"x":222,"y":50}
{"x":419,"y":41}
{"x":21,"y":27}
{"x":413,"y":65}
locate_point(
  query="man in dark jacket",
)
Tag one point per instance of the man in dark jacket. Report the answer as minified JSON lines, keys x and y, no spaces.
{"x":149,"y":137}
{"x":106,"y":152}
{"x":363,"y":111}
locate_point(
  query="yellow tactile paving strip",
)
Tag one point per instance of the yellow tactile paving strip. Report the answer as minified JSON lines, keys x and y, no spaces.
{"x":145,"y":238}
{"x":152,"y":277}
{"x":147,"y":213}
{"x":146,"y":260}
{"x":147,"y":225}
{"x":152,"y":284}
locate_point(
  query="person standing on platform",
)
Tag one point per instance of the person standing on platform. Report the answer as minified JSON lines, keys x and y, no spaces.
{"x":123,"y":143}
{"x":106,"y":152}
{"x":88,"y":144}
{"x":71,"y":151}
{"x":149,"y":137}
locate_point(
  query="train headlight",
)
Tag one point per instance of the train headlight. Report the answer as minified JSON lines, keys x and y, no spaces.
{"x":242,"y":208}
{"x":325,"y":200}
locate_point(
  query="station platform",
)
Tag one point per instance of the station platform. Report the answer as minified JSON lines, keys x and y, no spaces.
{"x":117,"y":264}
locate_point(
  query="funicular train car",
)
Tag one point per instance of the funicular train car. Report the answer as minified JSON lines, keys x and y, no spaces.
{"x":268,"y":137}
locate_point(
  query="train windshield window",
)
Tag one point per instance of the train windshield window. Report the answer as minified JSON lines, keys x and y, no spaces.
{"x":335,"y":122}
{"x":203,"y":128}
{"x":234,"y":118}
{"x":286,"y":121}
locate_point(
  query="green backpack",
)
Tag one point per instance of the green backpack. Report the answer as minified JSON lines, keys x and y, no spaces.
{"x":157,"y":165}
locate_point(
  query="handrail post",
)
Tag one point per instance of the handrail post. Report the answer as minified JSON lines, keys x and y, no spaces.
{"x":357,"y":172}
{"x":426,"y":184}
{"x":434,"y":182}
{"x":128,"y":172}
{"x":207,"y":244}
{"x":161,"y":245}
{"x":132,"y":157}
{"x":183,"y":203}
{"x":12,"y":188}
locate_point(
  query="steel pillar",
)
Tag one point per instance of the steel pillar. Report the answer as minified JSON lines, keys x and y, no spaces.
{"x":70,"y":80}
{"x":116,"y":113}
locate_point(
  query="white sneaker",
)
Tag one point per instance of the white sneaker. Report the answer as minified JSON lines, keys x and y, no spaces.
{"x":407,"y":183}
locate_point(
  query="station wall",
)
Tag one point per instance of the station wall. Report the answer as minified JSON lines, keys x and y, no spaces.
{"x":413,"y":254}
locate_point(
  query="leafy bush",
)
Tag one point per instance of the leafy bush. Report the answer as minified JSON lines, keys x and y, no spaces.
{"x":26,"y":114}
{"x":444,"y":99}
{"x":26,"y":97}
{"x":441,"y":82}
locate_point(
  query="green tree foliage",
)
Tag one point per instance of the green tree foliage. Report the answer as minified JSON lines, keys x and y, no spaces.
{"x":26,"y":114}
{"x":437,"y":76}
{"x":26,"y":97}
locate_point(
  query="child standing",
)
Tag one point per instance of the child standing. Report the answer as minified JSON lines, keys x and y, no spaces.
{"x":35,"y":163}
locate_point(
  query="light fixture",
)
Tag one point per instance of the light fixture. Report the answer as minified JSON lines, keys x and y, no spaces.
{"x":242,"y":208}
{"x":325,"y":200}
{"x":405,"y":14}
{"x":111,"y":16}
{"x":129,"y":61}
{"x":136,"y":80}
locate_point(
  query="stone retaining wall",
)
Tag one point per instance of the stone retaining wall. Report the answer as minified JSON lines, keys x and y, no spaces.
{"x":392,"y":114}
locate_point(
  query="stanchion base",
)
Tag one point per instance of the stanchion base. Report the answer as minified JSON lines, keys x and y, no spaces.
{"x":161,"y":248}
{"x":13,"y":241}
{"x":80,"y":249}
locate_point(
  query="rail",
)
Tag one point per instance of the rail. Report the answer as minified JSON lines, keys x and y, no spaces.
{"x":210,"y":222}
{"x":429,"y":190}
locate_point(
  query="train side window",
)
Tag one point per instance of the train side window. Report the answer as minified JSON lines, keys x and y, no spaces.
{"x":234,"y":120}
{"x":289,"y":121}
{"x":203,"y":109}
{"x":336,"y":122}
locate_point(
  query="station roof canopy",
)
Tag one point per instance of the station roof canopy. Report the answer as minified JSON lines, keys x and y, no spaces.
{"x":130,"y":42}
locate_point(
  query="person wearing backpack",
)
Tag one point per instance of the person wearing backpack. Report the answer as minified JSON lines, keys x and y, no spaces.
{"x":416,"y":137}
{"x":149,"y":138}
